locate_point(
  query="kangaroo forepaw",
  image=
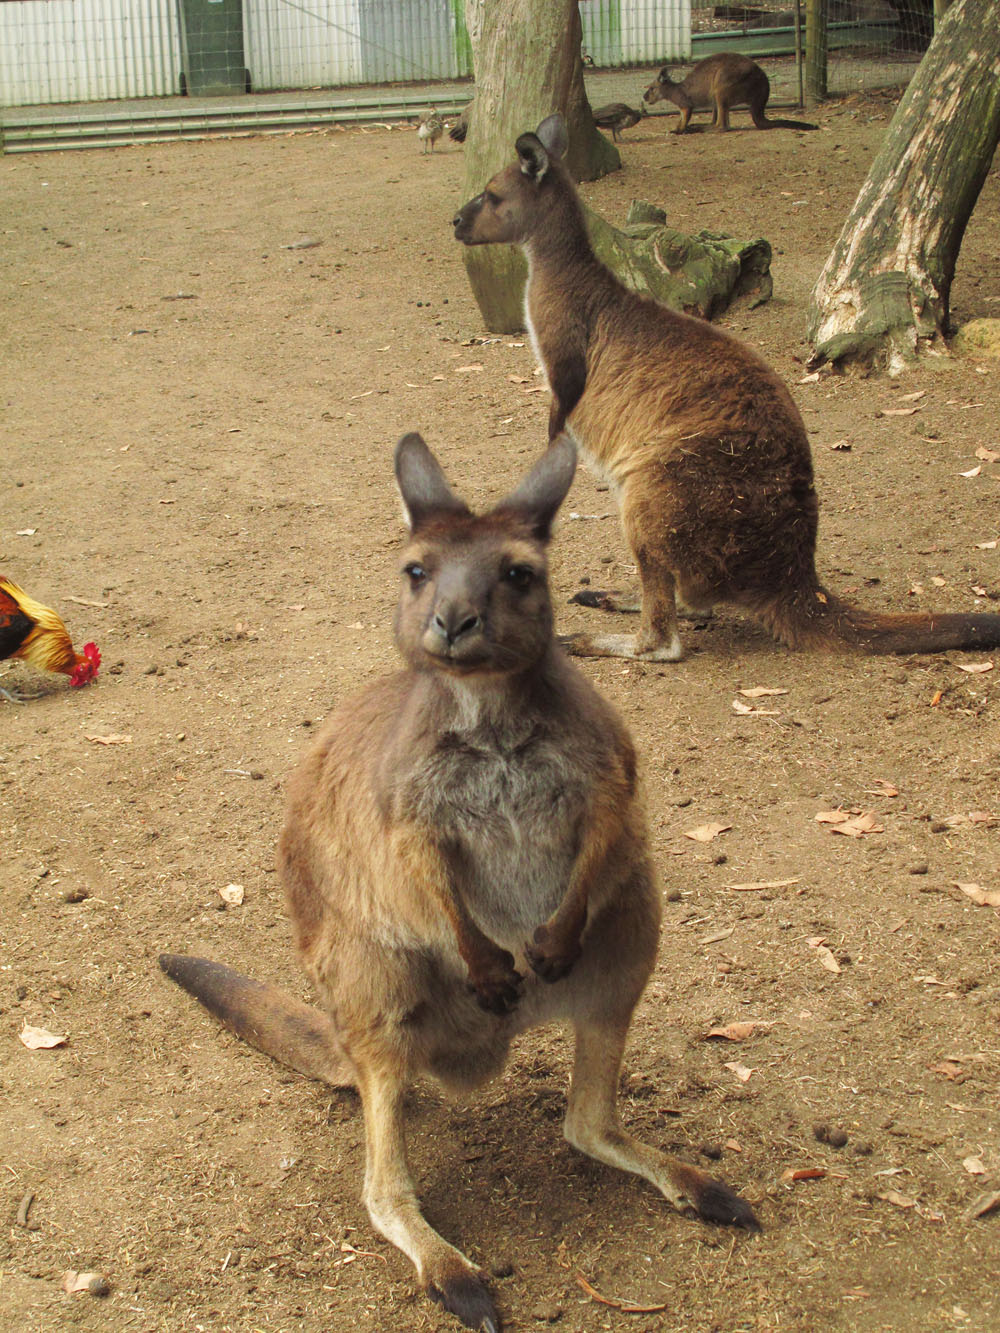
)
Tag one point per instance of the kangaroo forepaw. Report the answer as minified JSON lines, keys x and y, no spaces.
{"x":467,"y":1297}
{"x":498,"y":986}
{"x":549,"y":957}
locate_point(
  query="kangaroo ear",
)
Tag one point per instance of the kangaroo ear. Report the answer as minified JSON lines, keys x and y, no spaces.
{"x":554,"y":135}
{"x":423,"y":487}
{"x":543,"y":490}
{"x":532,"y":156}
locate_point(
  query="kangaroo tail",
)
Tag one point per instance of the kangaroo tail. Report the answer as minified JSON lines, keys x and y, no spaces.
{"x":816,"y":618}
{"x":295,"y":1034}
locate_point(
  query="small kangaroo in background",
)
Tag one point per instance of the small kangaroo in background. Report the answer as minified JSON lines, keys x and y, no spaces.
{"x":721,"y":82}
{"x":702,"y":440}
{"x":464,"y":857}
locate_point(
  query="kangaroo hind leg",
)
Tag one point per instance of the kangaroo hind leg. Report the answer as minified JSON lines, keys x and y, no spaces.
{"x":594,"y":1127}
{"x":442,"y":1270}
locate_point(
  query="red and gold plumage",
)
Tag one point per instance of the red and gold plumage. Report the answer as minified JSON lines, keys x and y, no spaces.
{"x":36,"y":635}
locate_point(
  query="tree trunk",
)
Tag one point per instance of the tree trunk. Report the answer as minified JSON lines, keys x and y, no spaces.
{"x":526,"y":56}
{"x":884,"y":293}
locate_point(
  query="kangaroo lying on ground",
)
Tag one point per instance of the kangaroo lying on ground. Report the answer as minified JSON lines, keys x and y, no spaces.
{"x":464,"y":857}
{"x":702,"y":440}
{"x":721,"y":82}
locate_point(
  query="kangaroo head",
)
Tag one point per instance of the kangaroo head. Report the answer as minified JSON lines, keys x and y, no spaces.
{"x":664,"y":85}
{"x":475,"y":596}
{"x":509,"y":207}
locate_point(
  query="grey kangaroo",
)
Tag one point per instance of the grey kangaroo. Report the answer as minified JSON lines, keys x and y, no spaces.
{"x":703,"y":442}
{"x":465,"y":857}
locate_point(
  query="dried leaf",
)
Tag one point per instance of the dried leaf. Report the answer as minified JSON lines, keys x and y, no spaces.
{"x":706,"y":832}
{"x":738,"y":1031}
{"x":717,"y":935}
{"x":897,"y":411}
{"x":232,"y":893}
{"x":938,"y":581}
{"x":832,"y":816}
{"x":841,"y":446}
{"x":987,"y":546}
{"x":973,"y":471}
{"x":39,"y":1039}
{"x":900,"y":1200}
{"x":759,"y":692}
{"x":857,"y":825}
{"x":803,"y":1173}
{"x":626,"y":1307}
{"x":883,"y":788}
{"x":826,"y":957}
{"x":746,"y":711}
{"x":518,"y":379}
{"x":986,"y":1203}
{"x":25,"y":532}
{"x":949,"y":1069}
{"x":85,"y":601}
{"x":113,"y":739}
{"x":974,"y":1166}
{"x":810,"y":378}
{"x":762,"y":884}
{"x":742,"y":1072}
{"x":987,"y":455}
{"x":733,"y":1145}
{"x":468,"y":370}
{"x":975,"y":668}
{"x":984,"y":897}
{"x":912,"y":397}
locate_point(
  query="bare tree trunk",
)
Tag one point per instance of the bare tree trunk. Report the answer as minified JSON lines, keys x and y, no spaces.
{"x":885,"y":290}
{"x":526,"y":55}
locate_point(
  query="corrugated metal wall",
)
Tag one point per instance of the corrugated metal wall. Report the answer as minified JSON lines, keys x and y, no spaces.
{"x":303,"y":46}
{"x":93,"y":50}
{"x":87,"y":50}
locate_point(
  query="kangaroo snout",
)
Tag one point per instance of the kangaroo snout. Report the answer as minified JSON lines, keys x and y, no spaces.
{"x":452,"y":626}
{"x":463,"y":219}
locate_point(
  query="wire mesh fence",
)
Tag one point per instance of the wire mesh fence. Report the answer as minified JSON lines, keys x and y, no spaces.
{"x":870,"y":44}
{"x":82,"y":72}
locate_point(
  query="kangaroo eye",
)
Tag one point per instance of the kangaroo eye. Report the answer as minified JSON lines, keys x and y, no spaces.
{"x":415,"y":573}
{"x":520,"y":577}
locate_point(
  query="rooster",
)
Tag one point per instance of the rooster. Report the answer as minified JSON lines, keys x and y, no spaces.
{"x":35,"y":634}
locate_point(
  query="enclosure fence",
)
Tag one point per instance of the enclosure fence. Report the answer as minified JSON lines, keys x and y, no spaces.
{"x":89,"y":71}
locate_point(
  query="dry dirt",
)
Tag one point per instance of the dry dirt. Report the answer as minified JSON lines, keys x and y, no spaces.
{"x":199,"y":424}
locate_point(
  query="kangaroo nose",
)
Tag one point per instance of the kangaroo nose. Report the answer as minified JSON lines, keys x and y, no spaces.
{"x":454,"y":622}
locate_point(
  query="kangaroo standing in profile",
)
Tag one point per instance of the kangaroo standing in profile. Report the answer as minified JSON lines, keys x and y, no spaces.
{"x":704,"y":445}
{"x":464,"y":857}
{"x":721,"y":82}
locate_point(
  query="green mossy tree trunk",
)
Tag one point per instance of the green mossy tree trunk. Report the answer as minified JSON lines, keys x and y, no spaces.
{"x":884,"y":293}
{"x":526,"y":55}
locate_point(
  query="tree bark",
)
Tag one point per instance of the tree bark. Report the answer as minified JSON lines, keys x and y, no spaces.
{"x":884,"y":292}
{"x":527,"y":62}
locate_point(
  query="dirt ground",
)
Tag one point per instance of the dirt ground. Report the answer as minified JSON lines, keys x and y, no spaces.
{"x":199,"y":418}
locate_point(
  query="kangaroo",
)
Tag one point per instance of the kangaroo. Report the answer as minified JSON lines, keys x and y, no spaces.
{"x":464,"y":857}
{"x":720,"y":81}
{"x":704,"y":445}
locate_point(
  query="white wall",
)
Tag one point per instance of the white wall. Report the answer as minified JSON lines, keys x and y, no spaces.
{"x":87,"y":50}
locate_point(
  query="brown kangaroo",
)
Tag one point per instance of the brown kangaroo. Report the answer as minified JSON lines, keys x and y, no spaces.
{"x":705,"y":447}
{"x":720,"y":81}
{"x":464,"y":857}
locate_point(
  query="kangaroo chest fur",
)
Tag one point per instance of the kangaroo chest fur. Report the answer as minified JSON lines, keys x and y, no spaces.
{"x":506,"y":810}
